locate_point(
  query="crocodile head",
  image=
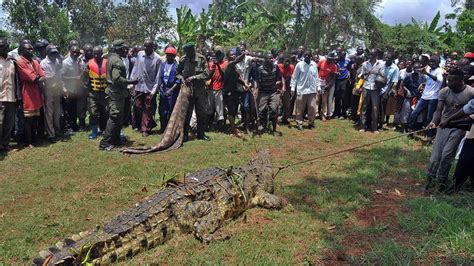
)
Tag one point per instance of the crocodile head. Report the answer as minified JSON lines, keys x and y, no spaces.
{"x":263,"y":173}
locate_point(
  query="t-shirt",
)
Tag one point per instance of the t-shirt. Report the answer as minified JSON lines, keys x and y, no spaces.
{"x":344,"y":66}
{"x":217,"y":79}
{"x":267,"y":78}
{"x":432,"y":87}
{"x":326,"y":69}
{"x":454,"y":101}
{"x":286,"y":73}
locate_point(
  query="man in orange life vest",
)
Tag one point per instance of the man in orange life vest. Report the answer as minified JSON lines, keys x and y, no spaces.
{"x":97,"y":83}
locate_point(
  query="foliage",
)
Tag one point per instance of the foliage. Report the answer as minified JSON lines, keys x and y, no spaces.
{"x":465,"y":27}
{"x":39,"y":19}
{"x":91,"y":19}
{"x":149,"y":17}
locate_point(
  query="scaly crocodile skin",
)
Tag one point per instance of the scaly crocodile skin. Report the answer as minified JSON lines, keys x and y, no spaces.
{"x":200,"y":205}
{"x":173,"y":136}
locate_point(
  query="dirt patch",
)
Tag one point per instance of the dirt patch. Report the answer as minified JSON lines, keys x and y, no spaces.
{"x":381,"y":215}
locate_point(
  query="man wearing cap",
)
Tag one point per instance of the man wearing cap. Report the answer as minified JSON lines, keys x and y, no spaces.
{"x":40,"y":48}
{"x":117,"y":93}
{"x":147,"y":72}
{"x":328,"y":73}
{"x":97,"y":83}
{"x":193,"y":70}
{"x":470,"y":57}
{"x":53,"y":92}
{"x":7,"y":95}
{"x":169,"y":87}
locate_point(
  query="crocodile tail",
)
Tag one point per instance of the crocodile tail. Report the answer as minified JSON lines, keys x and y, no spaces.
{"x":70,"y":251}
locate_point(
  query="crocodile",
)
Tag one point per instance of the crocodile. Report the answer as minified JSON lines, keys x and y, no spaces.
{"x":200,"y":204}
{"x":173,"y":135}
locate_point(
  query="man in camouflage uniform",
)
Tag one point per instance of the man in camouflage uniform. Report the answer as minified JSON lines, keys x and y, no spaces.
{"x":193,"y":70}
{"x":116,"y":92}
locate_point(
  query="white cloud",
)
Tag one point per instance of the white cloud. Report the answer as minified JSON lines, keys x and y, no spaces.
{"x":401,"y":11}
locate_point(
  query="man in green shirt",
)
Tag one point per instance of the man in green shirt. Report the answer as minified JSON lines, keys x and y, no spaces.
{"x":193,"y":70}
{"x":117,"y":93}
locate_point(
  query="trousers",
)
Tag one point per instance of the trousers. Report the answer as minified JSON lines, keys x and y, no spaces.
{"x":306,"y":102}
{"x":444,"y":150}
{"x":7,"y":121}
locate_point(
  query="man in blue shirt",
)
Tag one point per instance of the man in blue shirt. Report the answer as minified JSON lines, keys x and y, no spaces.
{"x":392,"y":73}
{"x":343,"y":91}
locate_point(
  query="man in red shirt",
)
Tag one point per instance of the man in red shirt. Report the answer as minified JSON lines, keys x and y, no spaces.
{"x":214,"y":96}
{"x":327,"y":74}
{"x":286,"y":69}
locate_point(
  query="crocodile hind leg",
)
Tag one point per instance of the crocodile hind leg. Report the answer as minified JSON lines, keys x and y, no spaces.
{"x":268,"y":201}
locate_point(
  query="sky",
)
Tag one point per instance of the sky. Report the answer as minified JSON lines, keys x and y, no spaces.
{"x":389,"y":11}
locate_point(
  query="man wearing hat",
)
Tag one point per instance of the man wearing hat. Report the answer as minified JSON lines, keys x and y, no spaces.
{"x":53,"y":92}
{"x":169,"y":87}
{"x":116,"y":92}
{"x":40,"y":48}
{"x":193,"y":70}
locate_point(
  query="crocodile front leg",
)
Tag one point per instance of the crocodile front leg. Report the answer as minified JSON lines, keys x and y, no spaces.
{"x":268,"y":201}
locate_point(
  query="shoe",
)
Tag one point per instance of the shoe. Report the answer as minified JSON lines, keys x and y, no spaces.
{"x":443,"y":187}
{"x":299,"y":127}
{"x":430,"y":185}
{"x":94,"y":133}
{"x":145,"y":134}
{"x":107,"y":147}
{"x":205,"y":138}
{"x":376,"y":132}
{"x":186,"y":138}
{"x":362,"y":130}
{"x":311,"y":126}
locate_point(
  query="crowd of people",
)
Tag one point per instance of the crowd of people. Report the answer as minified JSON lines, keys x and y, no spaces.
{"x":46,"y":94}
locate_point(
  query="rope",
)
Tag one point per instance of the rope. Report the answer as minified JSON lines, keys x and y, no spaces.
{"x":347,"y":150}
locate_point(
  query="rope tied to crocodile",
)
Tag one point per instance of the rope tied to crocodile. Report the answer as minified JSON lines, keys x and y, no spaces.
{"x":281,"y":168}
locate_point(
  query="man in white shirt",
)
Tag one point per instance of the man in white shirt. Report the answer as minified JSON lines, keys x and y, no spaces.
{"x":305,"y":83}
{"x":53,"y":92}
{"x":7,"y":95}
{"x":429,"y":98}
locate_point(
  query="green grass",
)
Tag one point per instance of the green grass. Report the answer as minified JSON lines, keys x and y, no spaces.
{"x":54,"y":191}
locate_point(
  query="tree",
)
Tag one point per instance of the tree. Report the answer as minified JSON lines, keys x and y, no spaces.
{"x":39,"y":19}
{"x":140,"y":19}
{"x":91,"y":19}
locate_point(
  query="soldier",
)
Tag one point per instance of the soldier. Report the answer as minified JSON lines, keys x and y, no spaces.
{"x":97,"y":83}
{"x":193,"y":70}
{"x":117,"y":92}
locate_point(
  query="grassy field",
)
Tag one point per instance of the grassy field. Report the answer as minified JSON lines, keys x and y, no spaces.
{"x":363,"y":207}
